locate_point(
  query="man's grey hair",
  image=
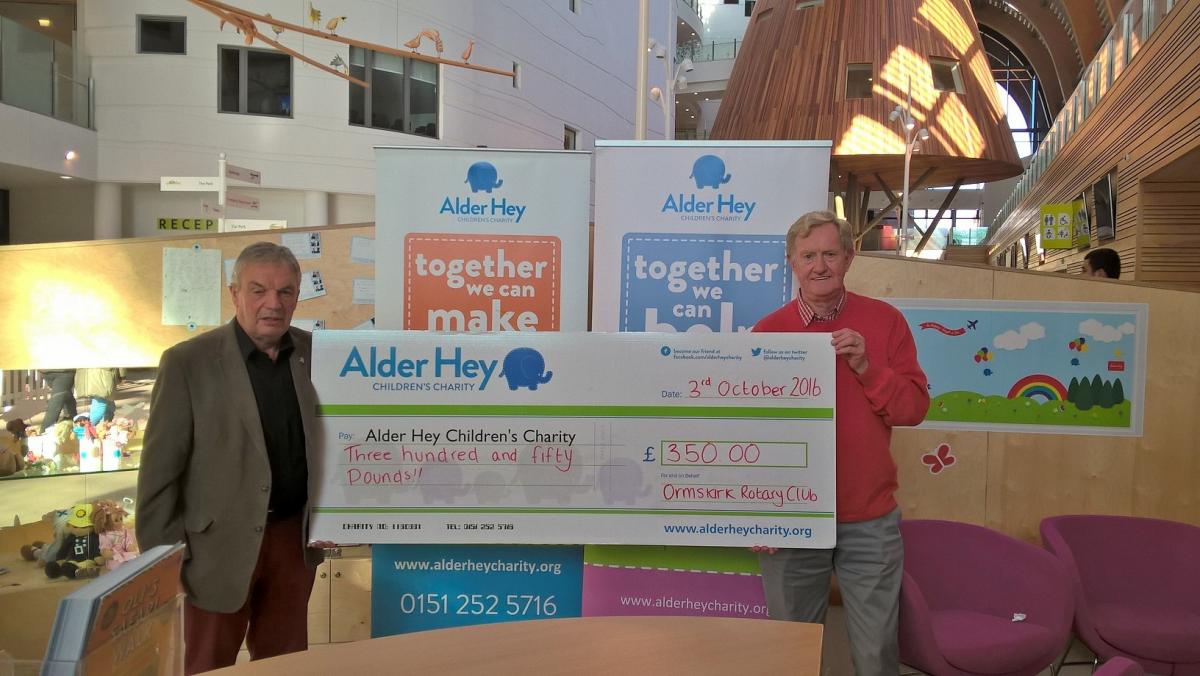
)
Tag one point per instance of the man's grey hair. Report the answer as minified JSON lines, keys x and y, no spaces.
{"x":804,"y":225}
{"x":264,"y":252}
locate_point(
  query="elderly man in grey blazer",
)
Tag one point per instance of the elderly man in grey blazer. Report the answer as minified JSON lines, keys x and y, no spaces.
{"x":225,"y":469}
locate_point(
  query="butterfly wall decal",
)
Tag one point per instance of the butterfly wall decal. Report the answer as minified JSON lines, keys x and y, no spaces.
{"x":940,"y":459}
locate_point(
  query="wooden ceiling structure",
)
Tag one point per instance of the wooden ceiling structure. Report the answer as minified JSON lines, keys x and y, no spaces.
{"x":790,"y":81}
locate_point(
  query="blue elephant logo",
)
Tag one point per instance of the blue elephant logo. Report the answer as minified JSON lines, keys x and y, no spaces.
{"x":709,"y":171}
{"x":482,"y":176}
{"x":525,"y":367}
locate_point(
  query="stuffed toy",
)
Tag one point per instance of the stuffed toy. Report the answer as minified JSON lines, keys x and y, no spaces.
{"x":117,"y":542}
{"x":42,"y":552}
{"x":13,"y":448}
{"x":80,"y":549}
{"x":67,"y":453}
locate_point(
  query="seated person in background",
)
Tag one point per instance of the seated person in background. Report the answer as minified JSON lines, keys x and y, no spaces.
{"x":1102,"y":263}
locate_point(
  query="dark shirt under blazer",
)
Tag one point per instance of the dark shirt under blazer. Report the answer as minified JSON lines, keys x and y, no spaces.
{"x":283,"y":431}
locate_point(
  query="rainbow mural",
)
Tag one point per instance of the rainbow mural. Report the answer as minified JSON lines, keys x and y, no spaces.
{"x":1038,"y":385}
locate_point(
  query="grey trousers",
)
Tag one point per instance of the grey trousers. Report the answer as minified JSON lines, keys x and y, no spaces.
{"x":869,"y":560}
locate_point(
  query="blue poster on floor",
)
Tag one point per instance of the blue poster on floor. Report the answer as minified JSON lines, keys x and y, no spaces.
{"x":419,"y":587}
{"x":701,"y":282}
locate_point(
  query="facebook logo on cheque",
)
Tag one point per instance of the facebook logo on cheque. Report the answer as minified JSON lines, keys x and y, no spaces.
{"x":701,"y":282}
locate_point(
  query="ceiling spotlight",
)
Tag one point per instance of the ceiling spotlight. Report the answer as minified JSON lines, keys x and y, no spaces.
{"x":687,"y":65}
{"x":44,"y":23}
{"x":70,"y":155}
{"x":923,"y":134}
{"x":65,"y":178}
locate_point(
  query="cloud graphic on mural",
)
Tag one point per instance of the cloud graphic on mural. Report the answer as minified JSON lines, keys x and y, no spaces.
{"x":1097,"y":330}
{"x":1018,"y":340}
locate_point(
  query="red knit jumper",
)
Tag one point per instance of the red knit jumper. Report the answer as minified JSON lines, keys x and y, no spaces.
{"x":892,"y":391}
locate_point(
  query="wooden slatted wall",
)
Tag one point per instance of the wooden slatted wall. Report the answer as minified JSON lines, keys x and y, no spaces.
{"x":1149,"y":120}
{"x":1168,"y":241}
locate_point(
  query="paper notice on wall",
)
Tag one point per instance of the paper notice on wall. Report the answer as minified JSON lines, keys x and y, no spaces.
{"x":191,"y":287}
{"x":229,"y":262}
{"x":364,"y":291}
{"x":362,"y":249}
{"x":311,"y":285}
{"x":305,"y":245}
{"x":369,"y":324}
{"x":309,"y":324}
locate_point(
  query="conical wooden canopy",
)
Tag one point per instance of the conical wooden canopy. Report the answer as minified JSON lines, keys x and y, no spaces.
{"x":801,"y":57}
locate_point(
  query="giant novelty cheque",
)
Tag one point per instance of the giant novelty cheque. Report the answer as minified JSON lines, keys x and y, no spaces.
{"x":548,"y":438}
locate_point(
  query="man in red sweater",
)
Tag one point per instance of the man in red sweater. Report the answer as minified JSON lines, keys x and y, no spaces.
{"x":879,"y":385}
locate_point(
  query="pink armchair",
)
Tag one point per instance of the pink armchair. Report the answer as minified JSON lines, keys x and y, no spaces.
{"x":1137,"y":589}
{"x":975,"y":601}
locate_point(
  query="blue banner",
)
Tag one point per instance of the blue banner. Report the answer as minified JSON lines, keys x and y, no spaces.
{"x":419,"y":587}
{"x":676,"y":281}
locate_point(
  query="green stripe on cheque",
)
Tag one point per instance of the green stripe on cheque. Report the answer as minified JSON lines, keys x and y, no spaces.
{"x":579,"y":411}
{"x":564,"y":510}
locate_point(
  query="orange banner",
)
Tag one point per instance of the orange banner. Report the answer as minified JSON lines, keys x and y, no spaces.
{"x":477,"y":283}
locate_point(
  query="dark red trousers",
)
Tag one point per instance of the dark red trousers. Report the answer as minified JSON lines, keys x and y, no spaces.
{"x":275,"y":612}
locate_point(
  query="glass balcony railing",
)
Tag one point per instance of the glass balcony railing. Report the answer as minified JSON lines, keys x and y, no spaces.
{"x":42,"y":75}
{"x":1136,"y":23}
{"x":694,"y":4}
{"x":707,"y":51}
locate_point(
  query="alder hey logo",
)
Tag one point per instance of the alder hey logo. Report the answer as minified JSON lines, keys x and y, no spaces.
{"x":483,"y":177}
{"x":708,"y":172}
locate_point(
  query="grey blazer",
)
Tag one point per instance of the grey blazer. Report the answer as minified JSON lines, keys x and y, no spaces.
{"x":205,"y":478}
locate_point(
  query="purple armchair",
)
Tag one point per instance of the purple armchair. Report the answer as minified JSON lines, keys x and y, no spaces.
{"x":1119,"y":666}
{"x":975,"y":601}
{"x":1137,"y":590}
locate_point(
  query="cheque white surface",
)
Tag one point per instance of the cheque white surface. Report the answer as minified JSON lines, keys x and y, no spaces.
{"x":616,"y":438}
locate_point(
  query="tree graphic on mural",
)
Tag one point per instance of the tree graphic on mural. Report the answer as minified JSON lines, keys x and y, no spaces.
{"x":1086,"y":393}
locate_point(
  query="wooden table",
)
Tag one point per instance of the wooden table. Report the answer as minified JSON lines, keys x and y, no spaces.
{"x":582,"y":645}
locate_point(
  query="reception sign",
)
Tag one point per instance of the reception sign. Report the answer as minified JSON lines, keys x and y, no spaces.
{"x":554,"y":438}
{"x":482,"y":240}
